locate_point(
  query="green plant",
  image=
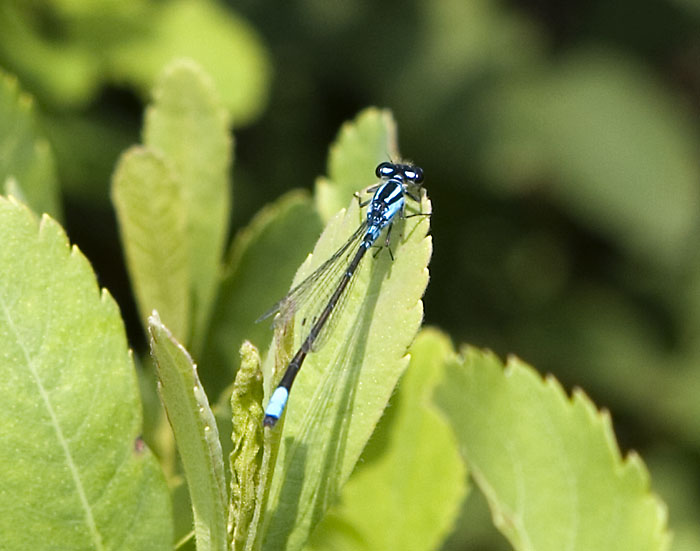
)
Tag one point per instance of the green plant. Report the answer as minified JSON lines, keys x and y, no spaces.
{"x":340,"y":472}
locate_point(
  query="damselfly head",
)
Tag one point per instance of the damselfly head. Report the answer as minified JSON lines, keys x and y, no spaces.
{"x":406,"y":172}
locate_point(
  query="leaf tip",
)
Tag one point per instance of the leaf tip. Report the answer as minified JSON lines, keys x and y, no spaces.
{"x":154,"y":319}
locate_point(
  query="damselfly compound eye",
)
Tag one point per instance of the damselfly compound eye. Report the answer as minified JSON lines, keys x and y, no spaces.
{"x":385,"y":170}
{"x":414,"y":173}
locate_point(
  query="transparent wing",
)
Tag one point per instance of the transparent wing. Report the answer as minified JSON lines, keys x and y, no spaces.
{"x":335,"y":314}
{"x":319,"y":285}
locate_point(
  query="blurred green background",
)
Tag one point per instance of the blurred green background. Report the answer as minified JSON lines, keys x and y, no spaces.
{"x":560,"y":145}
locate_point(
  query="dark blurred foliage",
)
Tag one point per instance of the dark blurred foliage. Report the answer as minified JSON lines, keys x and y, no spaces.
{"x":559,"y":142}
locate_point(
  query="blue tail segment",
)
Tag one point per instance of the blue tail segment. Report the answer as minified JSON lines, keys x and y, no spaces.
{"x":275,"y":407}
{"x":397,"y":181}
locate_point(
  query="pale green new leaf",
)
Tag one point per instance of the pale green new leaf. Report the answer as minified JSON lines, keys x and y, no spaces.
{"x":152,"y":218}
{"x":344,"y":387}
{"x":361,"y":144}
{"x":188,"y":125}
{"x":246,"y":456}
{"x":196,"y":435}
{"x":408,"y":488}
{"x":75,"y":473}
{"x":27,"y":168}
{"x":548,"y":464}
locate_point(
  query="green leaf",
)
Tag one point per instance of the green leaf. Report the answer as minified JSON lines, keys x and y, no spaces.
{"x":606,"y":343}
{"x":75,"y":472}
{"x":152,"y":217}
{"x":196,"y":435}
{"x":226,"y":46}
{"x":61,"y":72}
{"x":408,"y":496}
{"x":362,"y":143}
{"x":548,"y":464}
{"x":127,"y":43}
{"x":621,"y":150}
{"x":189,"y":127}
{"x":26,"y":162}
{"x":81,"y":11}
{"x":284,"y":231}
{"x":343,"y":388}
